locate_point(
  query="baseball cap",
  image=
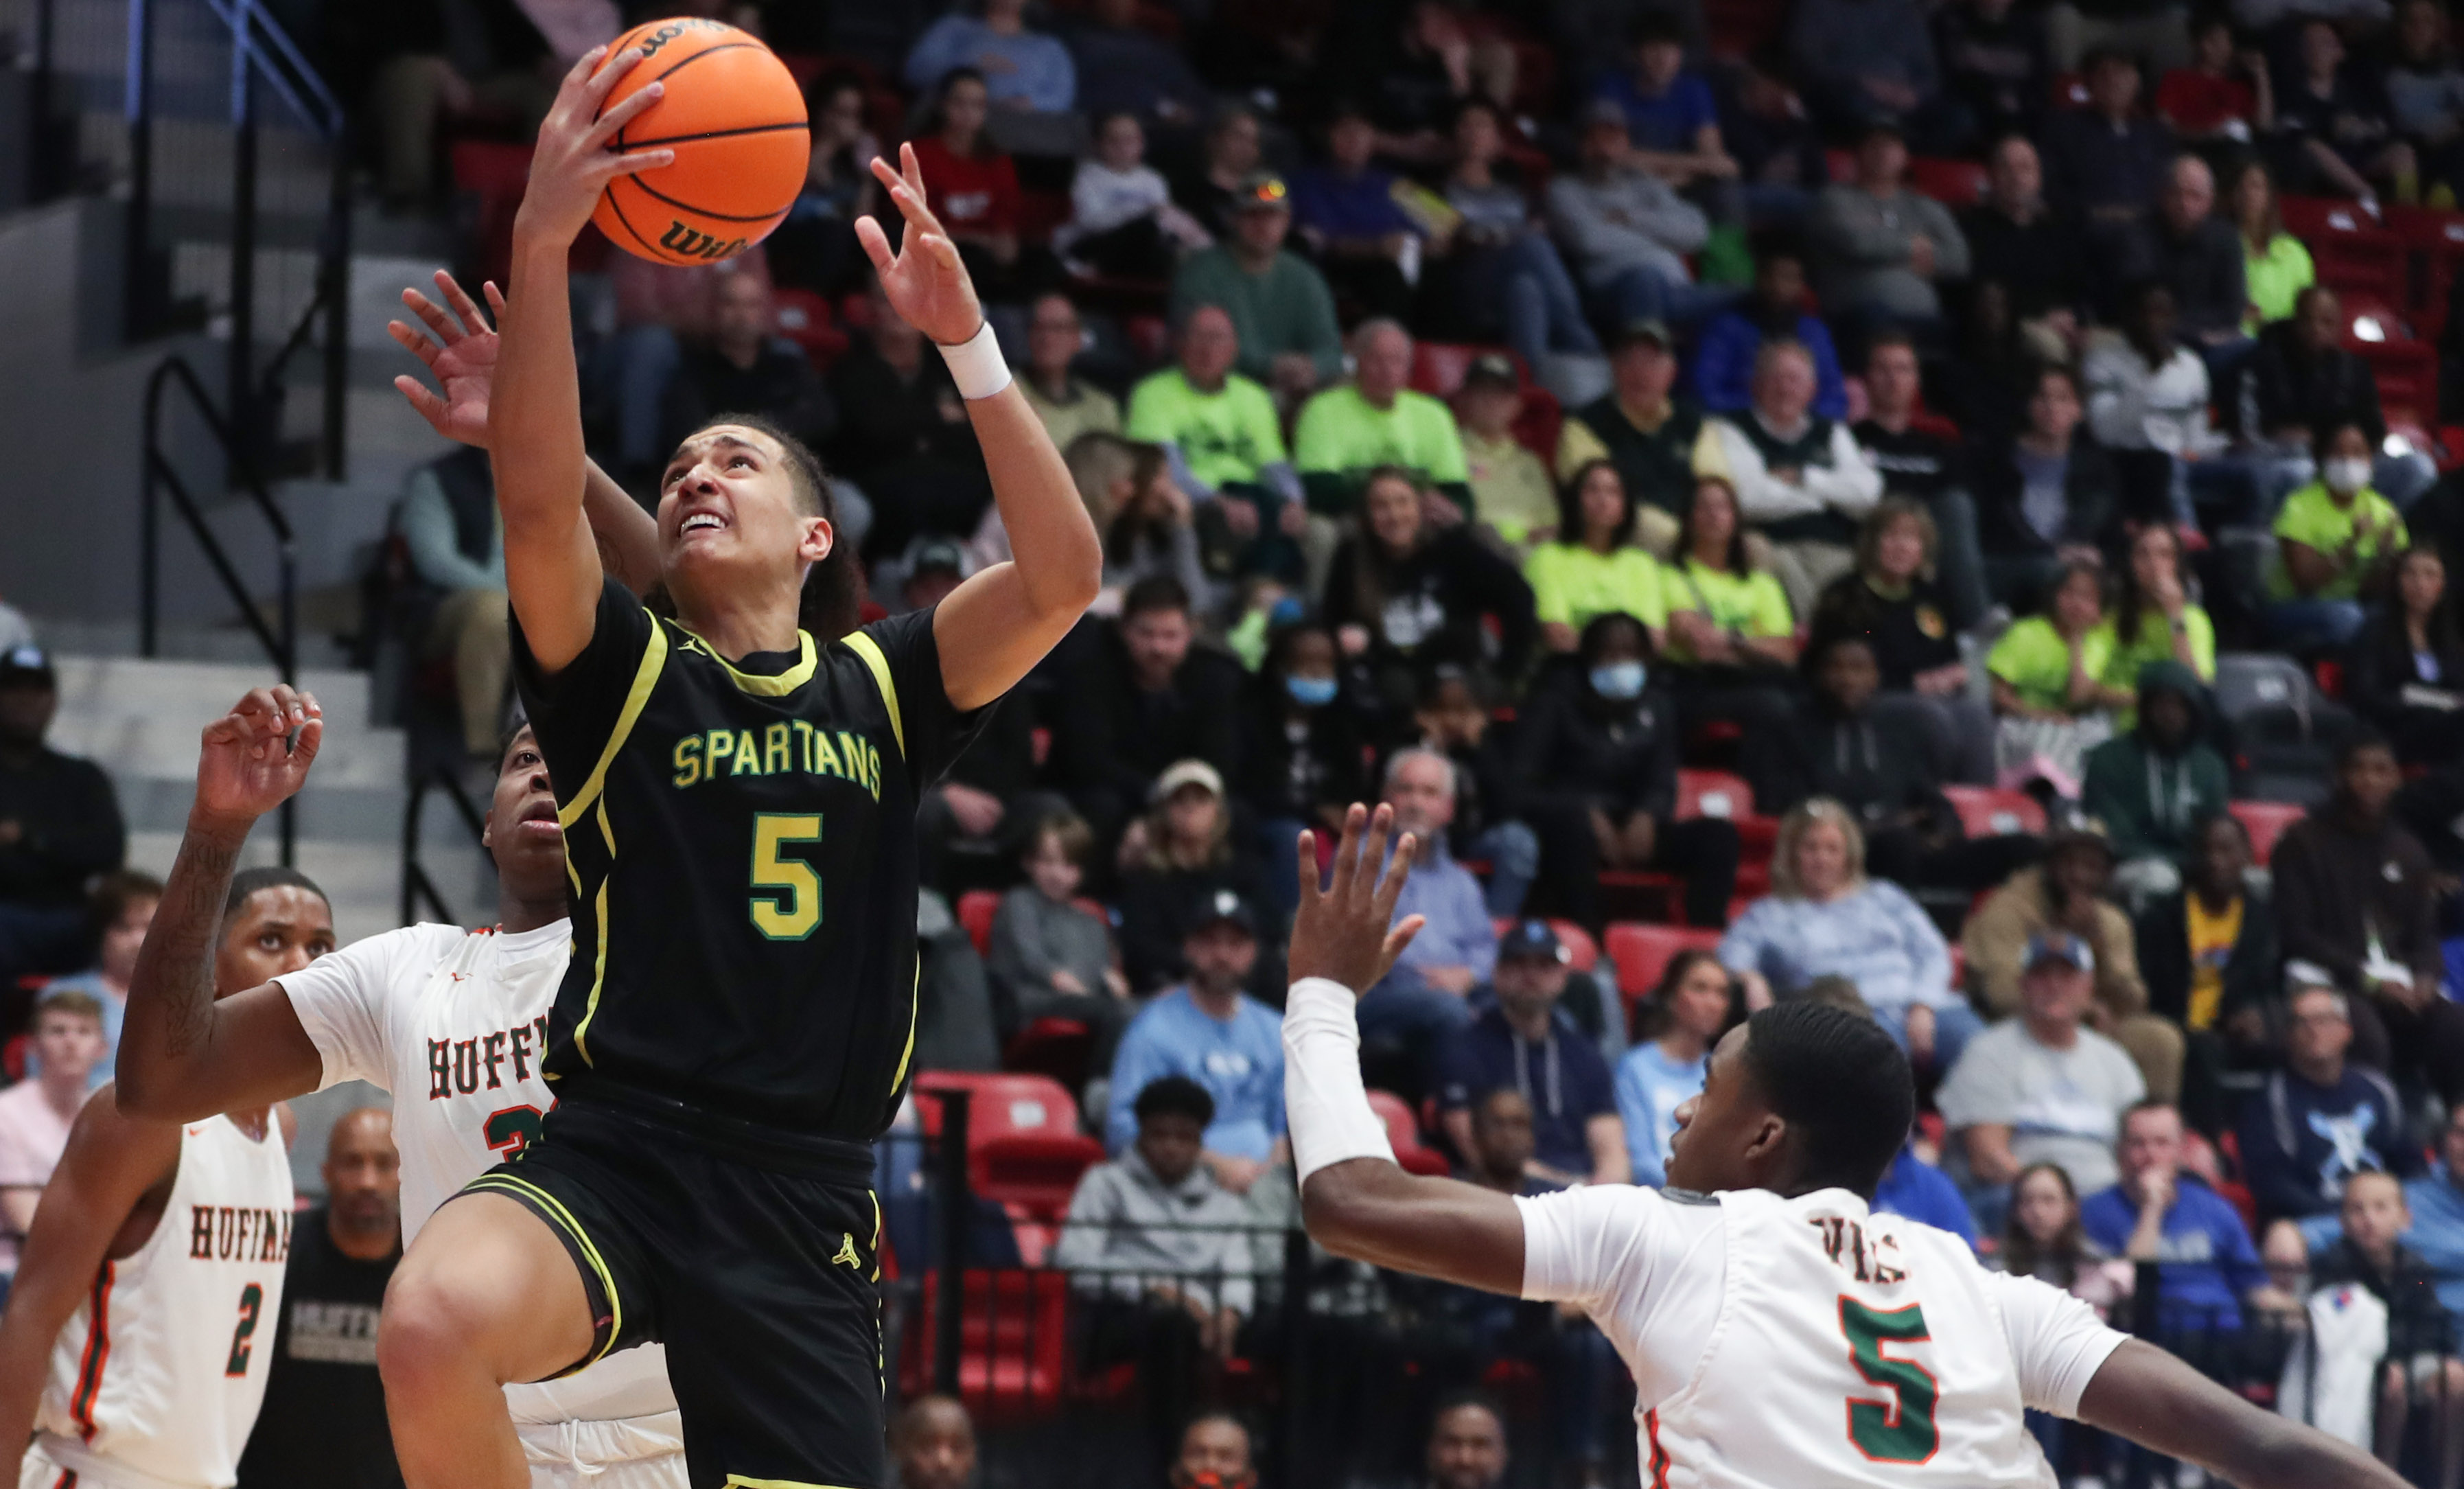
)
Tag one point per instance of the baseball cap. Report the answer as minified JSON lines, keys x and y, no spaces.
{"x":2059,"y":946}
{"x":1261,"y":190}
{"x":1218,"y":905}
{"x":1642,"y":328}
{"x":1534,"y":941}
{"x":1493,"y":369}
{"x":2301,"y":976}
{"x":1186,"y":773}
{"x":2079,"y":830}
{"x":28,"y":663}
{"x":945,"y":554}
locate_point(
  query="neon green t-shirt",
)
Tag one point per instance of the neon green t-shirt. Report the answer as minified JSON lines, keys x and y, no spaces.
{"x":2033,"y":659}
{"x":2155,"y":644}
{"x":1570,"y":585}
{"x":2270,"y":280}
{"x":1340,"y":432}
{"x":1750,"y":604}
{"x":1226,"y":436}
{"x":2312,"y":518}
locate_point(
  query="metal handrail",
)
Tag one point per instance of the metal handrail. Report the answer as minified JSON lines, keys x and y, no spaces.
{"x":416,"y":885}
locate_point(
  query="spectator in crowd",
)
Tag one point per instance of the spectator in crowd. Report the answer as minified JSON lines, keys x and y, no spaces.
{"x":323,"y":1419}
{"x":932,"y":1444}
{"x":2151,"y":787}
{"x":1049,"y":958}
{"x":2336,"y":539}
{"x":416,"y":68}
{"x":1498,"y":273}
{"x":1122,"y":219}
{"x":1825,"y":916}
{"x":2425,"y":96}
{"x":2432,"y":1227}
{"x":1209,"y":1031}
{"x":450,"y":527}
{"x":2274,"y":266}
{"x":1657,"y":443}
{"x":1411,"y":67}
{"x":1305,"y":738}
{"x":2049,"y":497}
{"x":1512,"y":494}
{"x":2104,"y":164}
{"x":1067,"y":406}
{"x":1347,"y":212}
{"x":1919,"y":458}
{"x":1626,"y":230}
{"x":977,"y":815}
{"x":1726,"y":352}
{"x":2160,"y":1212}
{"x":2065,"y":895}
{"x":2354,"y":895}
{"x":1881,"y":250}
{"x":815,"y":249}
{"x":36,"y":1112}
{"x":2418,"y":1370}
{"x":2039,"y":1088}
{"x":1525,"y":1043}
{"x":1731,"y":633}
{"x":1232,"y":154}
{"x":1882,"y":759}
{"x":1801,"y":478}
{"x":1408,"y":593}
{"x":1864,"y":62}
{"x":1671,"y":113}
{"x":1141,"y":514}
{"x":1375,"y":420}
{"x":1176,"y":864}
{"x":2335,"y":121}
{"x":1776,"y":144}
{"x":1221,"y":431}
{"x":2048,"y":689}
{"x":1682,"y":1018}
{"x":1595,"y":756}
{"x":2045,"y":1241}
{"x":1452,"y":718}
{"x":2149,"y":393}
{"x":120,"y":907}
{"x":2207,"y":954}
{"x":1125,"y":68}
{"x":1214,"y":1454}
{"x":2407,"y":675}
{"x":746,"y":367}
{"x":1283,"y":313}
{"x":59,"y":826}
{"x":2302,"y":380}
{"x":1422,"y":1000}
{"x":2197,"y":255}
{"x":1593,"y":566}
{"x":2016,"y":241}
{"x":976,"y":194}
{"x":1467,"y":1444}
{"x":1891,"y":601}
{"x":2320,"y":1119}
{"x":1993,"y":66}
{"x":1915,"y":1187}
{"x":1022,"y":70}
{"x":1144,"y":698}
{"x":903,"y":433}
{"x":2222,"y":94}
{"x":2154,"y":619}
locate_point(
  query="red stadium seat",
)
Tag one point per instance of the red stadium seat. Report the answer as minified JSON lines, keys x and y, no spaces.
{"x":1988,"y":813}
{"x":1023,"y":1147}
{"x":1013,"y":1343}
{"x":1055,"y":1047}
{"x":977,"y":908}
{"x":2266,"y":822}
{"x":1403,"y":1130}
{"x":1956,"y":184}
{"x":2438,"y":237}
{"x":1713,"y":793}
{"x":1642,"y":952}
{"x":805,"y":318}
{"x":2353,"y":252}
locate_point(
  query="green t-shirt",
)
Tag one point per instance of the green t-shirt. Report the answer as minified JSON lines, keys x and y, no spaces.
{"x":2312,"y":518}
{"x":1570,"y":585}
{"x":2155,"y":644}
{"x":2270,"y":280}
{"x":2033,"y":659}
{"x":1750,"y":604}
{"x":1340,"y":434}
{"x":1286,"y":308}
{"x":1226,"y":436}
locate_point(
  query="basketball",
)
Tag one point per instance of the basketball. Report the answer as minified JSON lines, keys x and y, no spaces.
{"x":735,"y":118}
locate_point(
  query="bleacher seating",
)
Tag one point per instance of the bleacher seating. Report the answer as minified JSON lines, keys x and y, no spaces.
{"x":1986,"y":812}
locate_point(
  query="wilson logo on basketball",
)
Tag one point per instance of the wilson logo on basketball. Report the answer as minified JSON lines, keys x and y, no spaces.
{"x":685,"y":242}
{"x":669,"y":30}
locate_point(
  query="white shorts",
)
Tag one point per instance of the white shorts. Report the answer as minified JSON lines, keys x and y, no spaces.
{"x":635,"y":1453}
{"x":43,"y":1471}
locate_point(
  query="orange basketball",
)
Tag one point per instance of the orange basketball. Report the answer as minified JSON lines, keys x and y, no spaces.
{"x":735,"y":118}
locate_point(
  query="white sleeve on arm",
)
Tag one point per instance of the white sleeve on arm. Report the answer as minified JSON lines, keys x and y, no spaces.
{"x":341,"y":998}
{"x":1326,"y":1106}
{"x":2057,"y":1344}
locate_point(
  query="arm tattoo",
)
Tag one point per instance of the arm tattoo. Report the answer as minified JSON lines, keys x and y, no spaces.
{"x":171,"y":994}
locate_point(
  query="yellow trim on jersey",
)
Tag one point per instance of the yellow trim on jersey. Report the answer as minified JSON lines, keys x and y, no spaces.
{"x":895,"y":1081}
{"x":808,"y":658}
{"x":875,"y":1196}
{"x":869,"y":649}
{"x":599,"y":956}
{"x":645,"y":678}
{"x":552,"y":1210}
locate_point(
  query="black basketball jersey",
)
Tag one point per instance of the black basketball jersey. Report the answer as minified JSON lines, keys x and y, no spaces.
{"x":740,"y":848}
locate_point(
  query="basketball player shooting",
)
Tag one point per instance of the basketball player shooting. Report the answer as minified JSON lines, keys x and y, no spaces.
{"x":1779,"y":1331}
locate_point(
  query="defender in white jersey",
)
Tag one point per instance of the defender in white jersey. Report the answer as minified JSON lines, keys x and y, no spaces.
{"x":131,"y":1356}
{"x":451,"y":1022}
{"x":1780,"y":1334}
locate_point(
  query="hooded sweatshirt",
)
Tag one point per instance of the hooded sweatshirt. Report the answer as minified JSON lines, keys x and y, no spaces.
{"x":1124,"y":1220}
{"x":1878,"y":763}
{"x":2148,"y":798}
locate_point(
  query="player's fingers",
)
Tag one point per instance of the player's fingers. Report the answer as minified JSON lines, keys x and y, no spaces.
{"x":448,"y":329}
{"x":876,"y":243}
{"x":1400,"y":937}
{"x":303,"y":750}
{"x":919,"y":216}
{"x":1372,"y":851}
{"x":1308,"y":867}
{"x":580,"y":71}
{"x":639,"y":160}
{"x":413,"y":343}
{"x":623,"y":112}
{"x":460,"y":300}
{"x":255,"y":706}
{"x":911,"y":170}
{"x":429,"y":405}
{"x":495,"y":301}
{"x":944,"y":251}
{"x":289,"y":709}
{"x":604,"y":81}
{"x":1346,"y":855}
{"x":1390,"y":889}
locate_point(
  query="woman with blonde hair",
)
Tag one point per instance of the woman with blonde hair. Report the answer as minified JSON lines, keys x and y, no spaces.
{"x":1825,"y":917}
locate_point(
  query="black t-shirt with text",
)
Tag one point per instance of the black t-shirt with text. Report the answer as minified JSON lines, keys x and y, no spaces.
{"x":323,"y":1421}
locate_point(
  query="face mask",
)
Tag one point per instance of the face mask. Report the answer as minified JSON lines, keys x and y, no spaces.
{"x":1618,"y":679}
{"x":2348,"y":475}
{"x":1311,"y":692}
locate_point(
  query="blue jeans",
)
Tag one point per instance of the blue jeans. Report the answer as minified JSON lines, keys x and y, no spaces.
{"x":1513,"y":854}
{"x":1542,"y":312}
{"x":1952,"y":1028}
{"x":1641,"y":293}
{"x":2309,"y":623}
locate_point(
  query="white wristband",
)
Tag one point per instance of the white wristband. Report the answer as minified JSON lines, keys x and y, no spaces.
{"x":976,"y":364}
{"x":1326,"y":1106}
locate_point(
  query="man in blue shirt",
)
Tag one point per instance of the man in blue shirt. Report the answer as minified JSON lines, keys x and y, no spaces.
{"x":1525,"y":1043}
{"x":1346,"y":211}
{"x":2208,"y":1268}
{"x":1209,"y":1030}
{"x":1422,"y":998}
{"x":2320,"y":1119}
{"x":1724,"y":358}
{"x":1022,"y":69}
{"x":1670,"y":111}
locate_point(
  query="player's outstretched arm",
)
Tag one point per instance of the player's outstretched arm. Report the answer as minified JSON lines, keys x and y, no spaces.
{"x":1001,"y":622}
{"x":2155,"y":1400}
{"x":460,"y":350}
{"x":111,"y":1161}
{"x":552,"y":570}
{"x":1356,"y":1199}
{"x":184,"y":1055}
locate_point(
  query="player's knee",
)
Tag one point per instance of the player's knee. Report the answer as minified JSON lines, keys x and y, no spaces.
{"x":430,"y":1336}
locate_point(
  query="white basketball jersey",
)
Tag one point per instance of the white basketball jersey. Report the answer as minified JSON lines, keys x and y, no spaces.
{"x":453,"y":1022}
{"x":162,"y":1368}
{"x":1777,"y":1343}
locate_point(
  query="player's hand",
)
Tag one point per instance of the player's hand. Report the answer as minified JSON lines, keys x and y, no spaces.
{"x":571,"y":164}
{"x":925,"y":281}
{"x":461,"y":352}
{"x":1341,"y":932}
{"x":253,"y":758}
